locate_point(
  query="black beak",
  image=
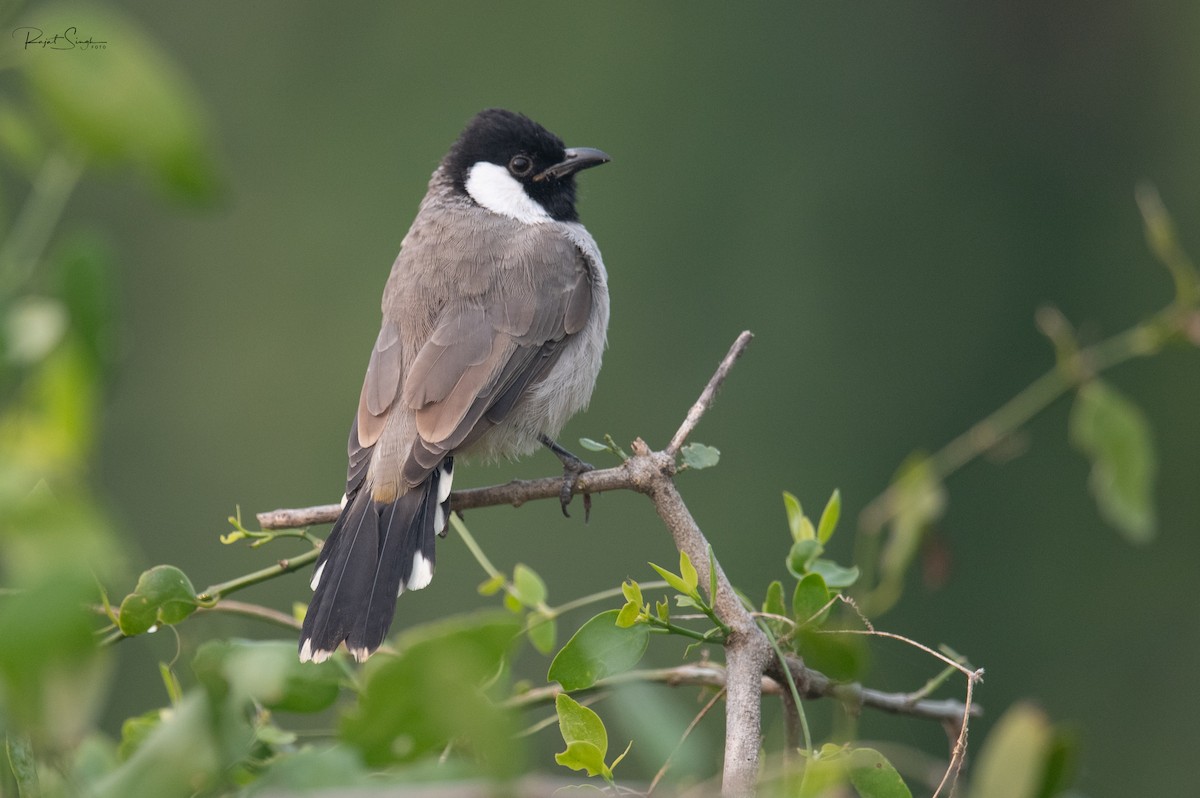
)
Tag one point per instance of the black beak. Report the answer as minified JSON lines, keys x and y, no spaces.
{"x":576,"y":160}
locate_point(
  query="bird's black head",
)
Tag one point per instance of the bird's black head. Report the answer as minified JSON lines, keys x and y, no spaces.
{"x":510,"y":164}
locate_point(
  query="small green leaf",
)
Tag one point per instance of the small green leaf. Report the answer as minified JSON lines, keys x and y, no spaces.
{"x":663,"y":610}
{"x":585,"y":736}
{"x":773,"y":603}
{"x":492,"y":586}
{"x":531,"y":590}
{"x":712,"y":575}
{"x":617,"y":761}
{"x":809,"y":600}
{"x":698,"y":456}
{"x":629,"y":615}
{"x":593,"y":446}
{"x":585,"y":757}
{"x":579,"y":724}
{"x":873,"y":776}
{"x":170,"y":682}
{"x":632,"y":592}
{"x":600,"y":648}
{"x":1114,"y":433}
{"x":163,"y":594}
{"x":829,"y":517}
{"x":836,"y":576}
{"x":794,"y":513}
{"x":135,"y":730}
{"x":688,"y":572}
{"x":543,"y":632}
{"x":686,"y":601}
{"x":672,"y":579}
{"x":513,"y":604}
{"x":802,"y":555}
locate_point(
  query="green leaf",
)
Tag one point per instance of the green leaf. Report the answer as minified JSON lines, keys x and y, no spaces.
{"x":578,"y":723}
{"x":177,"y":756}
{"x":128,"y":103}
{"x":531,"y":590}
{"x":585,"y":736}
{"x":629,"y":615}
{"x":809,"y":599}
{"x":794,"y":514}
{"x":673,"y":580}
{"x":873,"y":776}
{"x":593,"y":446}
{"x":135,"y":730}
{"x":663,"y":610}
{"x":698,"y":456}
{"x":492,"y":586}
{"x":712,"y":575}
{"x":632,"y":592}
{"x":163,"y":594}
{"x":836,"y":576}
{"x":170,"y":682}
{"x":624,"y":753}
{"x":918,"y":500}
{"x":268,"y":673}
{"x":841,"y":657}
{"x":23,"y":764}
{"x":1114,"y":433}
{"x":802,"y":555}
{"x":585,"y":757}
{"x":403,"y":713}
{"x":543,"y":632}
{"x":1012,"y":763}
{"x":773,"y":603}
{"x":829,"y":517}
{"x":600,"y":648}
{"x":688,"y":572}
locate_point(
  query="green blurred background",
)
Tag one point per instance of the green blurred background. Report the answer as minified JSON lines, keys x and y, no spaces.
{"x":882,"y":192}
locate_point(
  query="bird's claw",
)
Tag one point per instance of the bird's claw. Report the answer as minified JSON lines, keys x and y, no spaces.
{"x":572,"y":468}
{"x":571,"y":472}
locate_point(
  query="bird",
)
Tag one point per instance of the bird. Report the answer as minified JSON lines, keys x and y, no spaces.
{"x":495,"y":319}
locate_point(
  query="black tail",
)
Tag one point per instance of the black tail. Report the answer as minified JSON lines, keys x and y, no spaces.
{"x":375,"y":551}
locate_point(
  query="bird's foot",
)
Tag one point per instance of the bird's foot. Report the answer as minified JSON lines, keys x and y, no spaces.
{"x":572,"y":468}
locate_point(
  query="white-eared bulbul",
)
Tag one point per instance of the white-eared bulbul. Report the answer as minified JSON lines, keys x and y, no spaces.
{"x":494,"y":322}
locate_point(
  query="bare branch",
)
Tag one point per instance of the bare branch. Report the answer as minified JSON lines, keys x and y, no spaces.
{"x":709,"y":393}
{"x":817,"y":685}
{"x":245,"y":609}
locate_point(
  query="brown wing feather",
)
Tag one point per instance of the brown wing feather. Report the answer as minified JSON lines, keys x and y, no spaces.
{"x":488,"y":346}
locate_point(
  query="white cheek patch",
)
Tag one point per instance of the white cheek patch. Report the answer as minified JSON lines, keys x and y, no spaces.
{"x":490,"y":185}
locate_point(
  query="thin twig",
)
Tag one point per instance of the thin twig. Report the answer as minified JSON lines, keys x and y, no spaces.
{"x":257,"y":611}
{"x":662,"y":771}
{"x":709,"y":393}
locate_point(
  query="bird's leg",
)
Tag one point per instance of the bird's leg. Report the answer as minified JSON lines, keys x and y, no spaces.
{"x":572,"y":468}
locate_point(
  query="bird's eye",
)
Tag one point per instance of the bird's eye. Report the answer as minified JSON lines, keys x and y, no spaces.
{"x":520,"y":165}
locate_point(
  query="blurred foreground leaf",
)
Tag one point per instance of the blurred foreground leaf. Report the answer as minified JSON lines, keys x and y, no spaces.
{"x":1112,"y":431}
{"x":123,"y":102}
{"x":1023,"y":757}
{"x":432,"y":693}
